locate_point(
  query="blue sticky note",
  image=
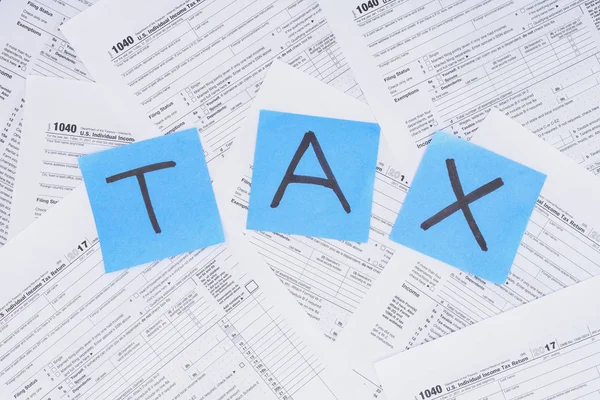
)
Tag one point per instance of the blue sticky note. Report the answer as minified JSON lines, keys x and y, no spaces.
{"x":152,"y":200}
{"x":313,"y":176}
{"x":468,"y":207}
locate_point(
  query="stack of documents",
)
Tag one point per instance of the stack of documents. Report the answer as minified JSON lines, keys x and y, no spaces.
{"x":299,"y":199}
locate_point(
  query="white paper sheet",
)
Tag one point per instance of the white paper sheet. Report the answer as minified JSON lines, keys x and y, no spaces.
{"x":441,"y":65}
{"x":200,"y":63}
{"x":329,"y":278}
{"x":199,"y":325}
{"x":418,"y":299}
{"x":65,"y":119}
{"x":31,"y":44}
{"x":545,"y":350}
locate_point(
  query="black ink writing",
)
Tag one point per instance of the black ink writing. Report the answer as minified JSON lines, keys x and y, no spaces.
{"x":139,"y":174}
{"x":330,"y":182}
{"x":462,"y":203}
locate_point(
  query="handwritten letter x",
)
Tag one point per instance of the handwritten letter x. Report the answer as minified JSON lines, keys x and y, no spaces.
{"x":462,"y":203}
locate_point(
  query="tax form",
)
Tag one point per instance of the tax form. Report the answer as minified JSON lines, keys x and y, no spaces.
{"x":329,"y":278}
{"x":201,"y":325}
{"x":418,"y":299}
{"x":429,"y":65}
{"x":545,"y":350}
{"x":32,"y":44}
{"x":200,"y":63}
{"x":65,"y":119}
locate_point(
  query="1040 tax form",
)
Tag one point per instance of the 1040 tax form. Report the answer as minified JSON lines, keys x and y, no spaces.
{"x":64,"y":120}
{"x":201,"y":325}
{"x":32,"y":45}
{"x":418,"y":299}
{"x":548,"y":349}
{"x":198,"y":63}
{"x":441,"y":65}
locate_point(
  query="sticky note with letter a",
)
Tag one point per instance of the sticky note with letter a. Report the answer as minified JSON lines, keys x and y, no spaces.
{"x":313,"y":176}
{"x":468,"y":207}
{"x":152,"y":200}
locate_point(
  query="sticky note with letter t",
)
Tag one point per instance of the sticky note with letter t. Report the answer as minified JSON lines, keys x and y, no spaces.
{"x":313,"y":176}
{"x":152,"y":200}
{"x":468,"y":207}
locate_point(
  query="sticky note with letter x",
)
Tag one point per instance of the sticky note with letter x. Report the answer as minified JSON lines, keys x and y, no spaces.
{"x":468,"y":207}
{"x":313,"y":176}
{"x":152,"y":200}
